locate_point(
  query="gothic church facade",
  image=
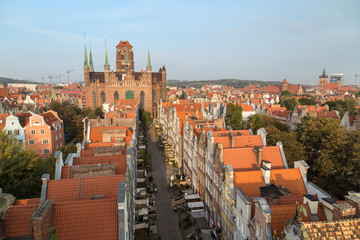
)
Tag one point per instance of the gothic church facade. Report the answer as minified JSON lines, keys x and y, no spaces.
{"x":147,"y":87}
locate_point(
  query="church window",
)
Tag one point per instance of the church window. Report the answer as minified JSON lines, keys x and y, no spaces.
{"x":103,"y":98}
{"x":142,"y":100}
{"x":116,"y":96}
{"x":122,"y":57}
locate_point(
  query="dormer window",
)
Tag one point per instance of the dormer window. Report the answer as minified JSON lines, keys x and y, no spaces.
{"x":37,"y":123}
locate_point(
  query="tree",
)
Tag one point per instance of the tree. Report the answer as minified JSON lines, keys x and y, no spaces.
{"x":289,"y":102}
{"x":285,"y":93}
{"x":293,"y":149}
{"x":311,"y":131}
{"x":21,"y":169}
{"x":233,"y":116}
{"x":256,"y":122}
{"x":70,"y":148}
{"x":307,"y":101}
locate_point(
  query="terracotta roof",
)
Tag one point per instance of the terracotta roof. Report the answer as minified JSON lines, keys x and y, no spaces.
{"x":293,"y":88}
{"x":94,"y":219}
{"x":226,"y":132}
{"x":240,"y":141}
{"x":250,"y":181}
{"x":282,"y":213}
{"x":77,"y":189}
{"x":327,"y":114}
{"x":244,"y":158}
{"x":343,"y":229}
{"x":124,"y":44}
{"x":272,"y":88}
{"x":284,"y":81}
{"x":17,"y":220}
{"x":4,"y":93}
{"x":31,"y":201}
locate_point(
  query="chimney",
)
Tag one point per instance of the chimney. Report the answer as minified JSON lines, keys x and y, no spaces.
{"x":59,"y":164}
{"x":313,"y":204}
{"x":274,"y":199}
{"x":343,"y":210}
{"x":45,"y":178}
{"x":266,"y":173}
{"x":232,"y":139}
{"x":41,"y":220}
{"x":258,"y":155}
{"x":266,"y":163}
{"x":354,"y":199}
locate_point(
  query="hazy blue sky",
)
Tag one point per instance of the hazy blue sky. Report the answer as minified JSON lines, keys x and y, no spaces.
{"x":265,"y":40}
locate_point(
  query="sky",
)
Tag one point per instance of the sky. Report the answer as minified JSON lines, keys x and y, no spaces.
{"x":195,"y":40}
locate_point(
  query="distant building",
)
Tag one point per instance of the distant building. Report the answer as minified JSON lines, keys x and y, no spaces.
{"x":337,"y":78}
{"x":147,"y":87}
{"x":323,"y":80}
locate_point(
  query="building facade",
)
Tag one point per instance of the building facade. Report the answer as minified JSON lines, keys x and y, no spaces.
{"x":147,"y":87}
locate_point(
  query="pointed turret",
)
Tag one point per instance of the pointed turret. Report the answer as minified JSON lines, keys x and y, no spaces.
{"x":106,"y":65}
{"x":86,"y":65}
{"x":148,"y":66}
{"x":91,"y":61}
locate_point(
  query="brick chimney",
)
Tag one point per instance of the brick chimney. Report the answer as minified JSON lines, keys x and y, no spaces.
{"x":354,"y":199}
{"x":232,"y":139}
{"x":343,"y":210}
{"x":41,"y":220}
{"x":258,"y":155}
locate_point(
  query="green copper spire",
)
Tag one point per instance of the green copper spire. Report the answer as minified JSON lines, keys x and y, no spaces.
{"x":148,"y":66}
{"x":86,"y":65}
{"x":91,"y":60}
{"x":106,"y":65}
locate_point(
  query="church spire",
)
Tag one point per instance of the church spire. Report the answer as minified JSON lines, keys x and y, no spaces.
{"x":86,"y":65}
{"x":148,"y":66}
{"x":106,"y":65}
{"x":91,"y":60}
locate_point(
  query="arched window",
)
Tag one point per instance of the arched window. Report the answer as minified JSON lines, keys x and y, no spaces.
{"x":116,"y":96}
{"x":37,"y":123}
{"x":102,"y":97}
{"x":142,"y":100}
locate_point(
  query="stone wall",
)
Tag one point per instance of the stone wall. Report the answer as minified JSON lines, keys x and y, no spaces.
{"x":93,"y":170}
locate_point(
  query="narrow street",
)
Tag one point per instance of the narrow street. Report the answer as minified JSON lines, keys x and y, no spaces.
{"x":168,"y":225}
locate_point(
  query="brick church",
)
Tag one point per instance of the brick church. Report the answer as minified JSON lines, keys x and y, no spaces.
{"x":147,"y":87}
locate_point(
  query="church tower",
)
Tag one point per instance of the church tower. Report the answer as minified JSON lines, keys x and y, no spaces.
{"x":124,"y":57}
{"x":284,"y":85}
{"x":323,"y":80}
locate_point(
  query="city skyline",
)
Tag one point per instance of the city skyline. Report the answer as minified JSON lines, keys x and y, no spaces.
{"x":255,"y":40}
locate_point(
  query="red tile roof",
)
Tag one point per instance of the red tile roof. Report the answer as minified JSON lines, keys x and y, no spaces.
{"x":250,"y":181}
{"x":124,"y":44}
{"x":93,"y":219}
{"x":244,"y":158}
{"x":240,"y":141}
{"x":17,"y":220}
{"x":77,"y":189}
{"x":282,"y":213}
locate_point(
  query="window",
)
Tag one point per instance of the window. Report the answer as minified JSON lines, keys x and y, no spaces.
{"x":31,"y":141}
{"x":37,"y":123}
{"x":46,"y":151}
{"x":45,"y":141}
{"x":56,"y":137}
{"x":32,"y":132}
{"x":17,"y":132}
{"x":9,"y":132}
{"x":59,"y":135}
{"x":60,"y":144}
{"x":42,"y":131}
{"x":20,"y":141}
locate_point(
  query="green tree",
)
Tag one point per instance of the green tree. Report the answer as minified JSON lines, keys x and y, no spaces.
{"x":289,"y":102}
{"x":233,"y":116}
{"x":255,"y":122}
{"x":293,"y":149}
{"x":285,"y":93}
{"x":269,"y":121}
{"x":307,"y":101}
{"x":69,"y":148}
{"x":21,"y":169}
